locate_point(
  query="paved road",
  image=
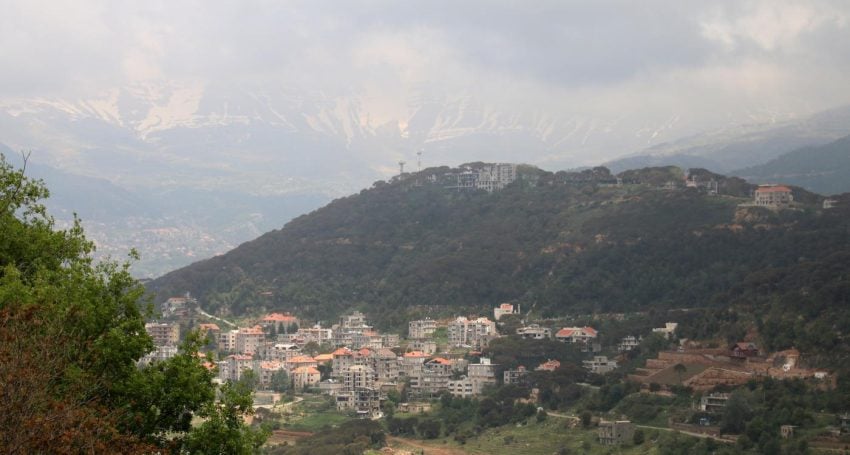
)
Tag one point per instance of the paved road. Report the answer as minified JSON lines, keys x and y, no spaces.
{"x":204,"y":313}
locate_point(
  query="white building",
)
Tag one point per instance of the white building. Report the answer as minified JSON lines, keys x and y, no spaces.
{"x":421,"y":328}
{"x":600,"y":364}
{"x":475,"y":333}
{"x":669,"y":329}
{"x":504,"y":309}
{"x":534,"y":332}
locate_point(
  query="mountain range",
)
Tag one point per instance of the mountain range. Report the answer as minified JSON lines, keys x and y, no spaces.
{"x":182,"y":172}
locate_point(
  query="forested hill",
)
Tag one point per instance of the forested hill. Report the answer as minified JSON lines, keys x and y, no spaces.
{"x":556,"y":243}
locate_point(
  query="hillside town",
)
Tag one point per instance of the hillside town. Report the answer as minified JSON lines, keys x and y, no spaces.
{"x":359,"y":367}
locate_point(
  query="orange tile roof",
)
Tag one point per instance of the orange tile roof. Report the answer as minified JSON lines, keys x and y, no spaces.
{"x":277,"y":317}
{"x":440,"y":360}
{"x":301,"y":359}
{"x":324,"y":357}
{"x":415,"y":354}
{"x":308,"y":370}
{"x":773,"y":189}
{"x":209,"y":327}
{"x":342,"y":351}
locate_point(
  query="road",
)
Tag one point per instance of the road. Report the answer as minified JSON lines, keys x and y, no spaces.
{"x":204,"y":313}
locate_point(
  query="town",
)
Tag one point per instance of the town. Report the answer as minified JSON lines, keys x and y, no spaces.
{"x":367,"y":374}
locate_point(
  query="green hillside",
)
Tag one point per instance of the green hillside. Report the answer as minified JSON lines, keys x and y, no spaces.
{"x":824,"y":169}
{"x":556,"y":243}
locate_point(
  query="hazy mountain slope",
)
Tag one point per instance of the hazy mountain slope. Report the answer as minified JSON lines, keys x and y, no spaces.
{"x":824,"y":169}
{"x":399,"y":250}
{"x":742,"y":146}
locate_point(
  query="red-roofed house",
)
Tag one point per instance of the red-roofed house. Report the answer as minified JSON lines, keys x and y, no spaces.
{"x":503,"y":309}
{"x":305,"y":377}
{"x":584,"y":335}
{"x":773,"y":196}
{"x":279,"y":321}
{"x":550,"y":365}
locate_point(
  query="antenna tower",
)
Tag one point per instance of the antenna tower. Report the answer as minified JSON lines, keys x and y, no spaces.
{"x":401,"y":167}
{"x":419,"y":159}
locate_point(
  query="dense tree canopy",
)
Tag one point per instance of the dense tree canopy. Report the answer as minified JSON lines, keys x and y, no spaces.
{"x":71,"y":333}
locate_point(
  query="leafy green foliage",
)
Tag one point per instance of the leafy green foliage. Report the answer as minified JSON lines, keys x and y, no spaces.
{"x":71,"y":333}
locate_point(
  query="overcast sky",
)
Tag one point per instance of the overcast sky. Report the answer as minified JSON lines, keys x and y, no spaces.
{"x":607,"y":58}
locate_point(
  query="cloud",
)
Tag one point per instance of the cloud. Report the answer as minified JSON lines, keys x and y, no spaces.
{"x":614,"y":62}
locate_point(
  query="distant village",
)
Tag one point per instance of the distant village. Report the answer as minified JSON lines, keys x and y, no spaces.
{"x":358,"y":366}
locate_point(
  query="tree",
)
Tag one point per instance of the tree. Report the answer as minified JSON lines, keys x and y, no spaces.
{"x":680,"y":370}
{"x":71,"y":334}
{"x":280,"y":381}
{"x":223,"y":430}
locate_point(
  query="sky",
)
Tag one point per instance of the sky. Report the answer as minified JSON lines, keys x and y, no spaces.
{"x":704,"y":64}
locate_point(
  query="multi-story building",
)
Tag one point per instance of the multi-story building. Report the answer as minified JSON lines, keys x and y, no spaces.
{"x":615,"y":433}
{"x":410,"y":364}
{"x":159,"y":354}
{"x":475,"y":333}
{"x":714,"y":402}
{"x":280,"y":351}
{"x":163,"y":334}
{"x":266,"y":369}
{"x":315,"y":334}
{"x":422,"y":328}
{"x":227,"y":341}
{"x":628,"y":343}
{"x":427,"y":346}
{"x":385,"y":363}
{"x":249,"y":339}
{"x":300,"y":361}
{"x":481,"y":375}
{"x":491,"y":177}
{"x":343,"y":358}
{"x":773,"y":196}
{"x":236,"y":364}
{"x":390,"y":340}
{"x":460,"y":387}
{"x":517,"y":376}
{"x":534,"y":332}
{"x":305,"y":377}
{"x":600,"y":364}
{"x":433,"y":379}
{"x":358,"y":376}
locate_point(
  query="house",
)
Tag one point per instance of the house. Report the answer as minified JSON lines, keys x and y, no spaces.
{"x":550,"y":365}
{"x":787,"y":431}
{"x":583,"y":335}
{"x":209,"y":329}
{"x":343,"y":358}
{"x":773,"y":196}
{"x":713,"y":402}
{"x":628,"y":343}
{"x":305,"y":377}
{"x":745,"y":349}
{"x":600,"y":364}
{"x":285,"y":322}
{"x":534,"y":332}
{"x":616,"y":432}
{"x":236,"y":364}
{"x":516,"y":376}
{"x":829,"y":203}
{"x":421,"y":328}
{"x":504,"y":309}
{"x":315,"y":334}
